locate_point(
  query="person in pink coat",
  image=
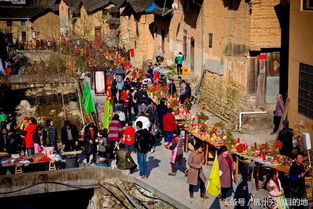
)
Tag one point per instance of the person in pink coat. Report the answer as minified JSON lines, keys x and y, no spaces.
{"x":274,"y":188}
{"x":226,"y":164}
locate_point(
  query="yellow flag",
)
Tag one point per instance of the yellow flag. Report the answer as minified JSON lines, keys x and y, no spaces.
{"x":214,"y":185}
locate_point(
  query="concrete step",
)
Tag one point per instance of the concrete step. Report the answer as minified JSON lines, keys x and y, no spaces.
{"x":257,"y":122}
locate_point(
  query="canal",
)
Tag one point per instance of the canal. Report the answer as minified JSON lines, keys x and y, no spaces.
{"x":74,"y":199}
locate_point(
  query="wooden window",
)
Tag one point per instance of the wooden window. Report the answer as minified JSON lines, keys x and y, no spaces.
{"x":23,"y":36}
{"x":98,"y":36}
{"x":210,"y":40}
{"x":9,"y":23}
{"x":305,"y":97}
{"x":307,"y":4}
{"x":23,"y":23}
{"x":68,"y":13}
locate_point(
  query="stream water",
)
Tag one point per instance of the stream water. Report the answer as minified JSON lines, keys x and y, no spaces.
{"x":77,"y":199}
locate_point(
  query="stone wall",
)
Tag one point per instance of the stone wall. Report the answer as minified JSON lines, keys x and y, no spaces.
{"x":222,"y":96}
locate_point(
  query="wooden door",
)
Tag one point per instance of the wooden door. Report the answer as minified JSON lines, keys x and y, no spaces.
{"x":260,"y":91}
{"x":185,"y":43}
{"x":192,"y":55}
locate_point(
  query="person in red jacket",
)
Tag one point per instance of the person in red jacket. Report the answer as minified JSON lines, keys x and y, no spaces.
{"x":169,"y":126}
{"x":129,"y":137}
{"x":29,"y":137}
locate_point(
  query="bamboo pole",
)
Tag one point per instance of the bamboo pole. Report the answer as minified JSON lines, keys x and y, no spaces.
{"x":80,"y":103}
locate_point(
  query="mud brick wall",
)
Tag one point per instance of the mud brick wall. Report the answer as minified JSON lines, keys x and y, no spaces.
{"x":222,"y":96}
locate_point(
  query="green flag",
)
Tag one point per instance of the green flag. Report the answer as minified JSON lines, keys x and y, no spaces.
{"x":90,"y":105}
{"x":86,"y":92}
{"x":87,"y":100}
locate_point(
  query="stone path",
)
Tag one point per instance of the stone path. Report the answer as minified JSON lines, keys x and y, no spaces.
{"x":176,"y":186}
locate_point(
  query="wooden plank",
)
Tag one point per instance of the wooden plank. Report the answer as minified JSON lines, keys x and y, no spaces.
{"x":251,"y":78}
{"x":260,"y":93}
{"x":284,"y":116}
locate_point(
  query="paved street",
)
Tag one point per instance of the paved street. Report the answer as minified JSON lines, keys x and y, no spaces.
{"x":176,"y":186}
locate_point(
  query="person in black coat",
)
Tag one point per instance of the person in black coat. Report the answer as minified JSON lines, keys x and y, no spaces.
{"x":297,"y":173}
{"x":15,"y":141}
{"x":90,"y":138}
{"x":162,"y":109}
{"x":69,"y":136}
{"x":143,"y":145}
{"x":4,"y":140}
{"x":172,"y":87}
{"x":52,"y":134}
{"x":285,"y":136}
{"x":243,"y":194}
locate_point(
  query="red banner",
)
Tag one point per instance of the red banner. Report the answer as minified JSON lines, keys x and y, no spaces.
{"x":262,"y":57}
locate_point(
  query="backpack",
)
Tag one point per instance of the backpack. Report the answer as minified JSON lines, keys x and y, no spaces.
{"x":176,"y":60}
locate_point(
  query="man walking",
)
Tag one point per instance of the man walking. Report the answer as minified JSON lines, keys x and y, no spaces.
{"x":143,"y":145}
{"x":179,"y":62}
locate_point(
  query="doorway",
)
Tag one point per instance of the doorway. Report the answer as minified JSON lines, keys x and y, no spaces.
{"x":23,"y":36}
{"x":192,"y":54}
{"x":185,"y":43}
{"x":98,"y":35}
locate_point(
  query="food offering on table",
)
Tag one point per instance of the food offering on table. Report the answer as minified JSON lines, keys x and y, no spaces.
{"x":218,"y":134}
{"x":202,"y":117}
{"x":183,"y":113}
{"x":265,"y":151}
{"x":242,"y":148}
{"x":212,"y":134}
{"x":157,"y":92}
{"x":173,"y":103}
{"x":229,"y":139}
{"x":187,"y":103}
{"x":180,"y":112}
{"x":136,"y":73}
{"x":203,"y":128}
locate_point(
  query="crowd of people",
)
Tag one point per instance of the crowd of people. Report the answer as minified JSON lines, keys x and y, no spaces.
{"x":137,"y":125}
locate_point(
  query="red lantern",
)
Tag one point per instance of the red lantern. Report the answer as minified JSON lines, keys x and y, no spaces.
{"x":132,"y":52}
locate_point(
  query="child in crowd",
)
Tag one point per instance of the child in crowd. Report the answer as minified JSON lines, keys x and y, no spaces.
{"x":177,"y":153}
{"x":102,"y":140}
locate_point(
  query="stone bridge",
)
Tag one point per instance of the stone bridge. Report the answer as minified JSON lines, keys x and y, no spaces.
{"x":35,"y":81}
{"x":77,"y":178}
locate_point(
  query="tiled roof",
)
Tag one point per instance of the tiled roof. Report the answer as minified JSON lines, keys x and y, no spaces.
{"x":90,"y":5}
{"x":20,"y":13}
{"x":27,"y":12}
{"x":139,"y":6}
